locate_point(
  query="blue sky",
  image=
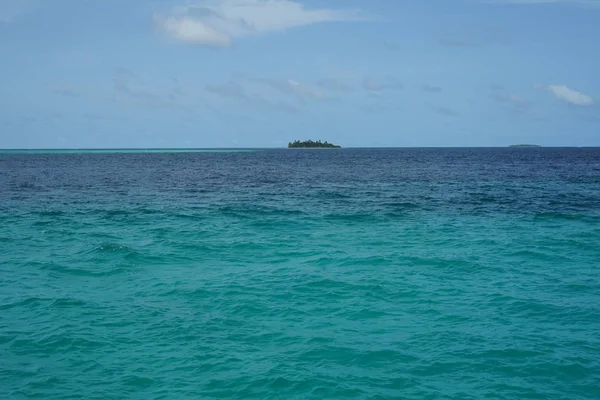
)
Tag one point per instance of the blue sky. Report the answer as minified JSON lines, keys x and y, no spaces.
{"x":260,"y":73}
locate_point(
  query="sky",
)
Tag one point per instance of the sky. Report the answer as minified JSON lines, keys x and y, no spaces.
{"x":261,"y":73}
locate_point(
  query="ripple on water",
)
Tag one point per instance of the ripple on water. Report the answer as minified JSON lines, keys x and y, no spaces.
{"x":367,"y":274}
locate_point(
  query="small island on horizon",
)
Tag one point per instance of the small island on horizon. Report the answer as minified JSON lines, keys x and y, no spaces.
{"x":309,"y":144}
{"x":524,"y":145}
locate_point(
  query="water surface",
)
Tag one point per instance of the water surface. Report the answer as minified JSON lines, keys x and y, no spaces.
{"x":301,"y":274}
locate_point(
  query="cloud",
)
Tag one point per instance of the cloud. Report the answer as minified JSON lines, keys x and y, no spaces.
{"x":219,"y":22}
{"x":194,"y":31}
{"x":571,"y":96}
{"x":373,"y":84}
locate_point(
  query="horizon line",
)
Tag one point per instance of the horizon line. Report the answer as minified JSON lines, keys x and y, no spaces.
{"x":286,"y":148}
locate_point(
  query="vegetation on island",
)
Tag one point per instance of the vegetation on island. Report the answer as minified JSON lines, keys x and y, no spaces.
{"x":524,"y":145}
{"x":309,"y":144}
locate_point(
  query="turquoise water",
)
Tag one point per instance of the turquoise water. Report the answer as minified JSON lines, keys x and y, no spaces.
{"x":358,"y":273}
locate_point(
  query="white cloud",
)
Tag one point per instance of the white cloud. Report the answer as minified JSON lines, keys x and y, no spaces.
{"x":218,"y":22}
{"x":562,"y":92}
{"x":194,"y":31}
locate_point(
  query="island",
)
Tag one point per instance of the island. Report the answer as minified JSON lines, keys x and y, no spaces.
{"x":524,"y":145}
{"x":309,"y":144}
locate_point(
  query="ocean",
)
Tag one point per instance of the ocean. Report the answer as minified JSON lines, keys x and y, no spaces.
{"x":300,"y":274}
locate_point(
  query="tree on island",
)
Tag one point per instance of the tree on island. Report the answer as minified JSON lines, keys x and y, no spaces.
{"x":297,"y":144}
